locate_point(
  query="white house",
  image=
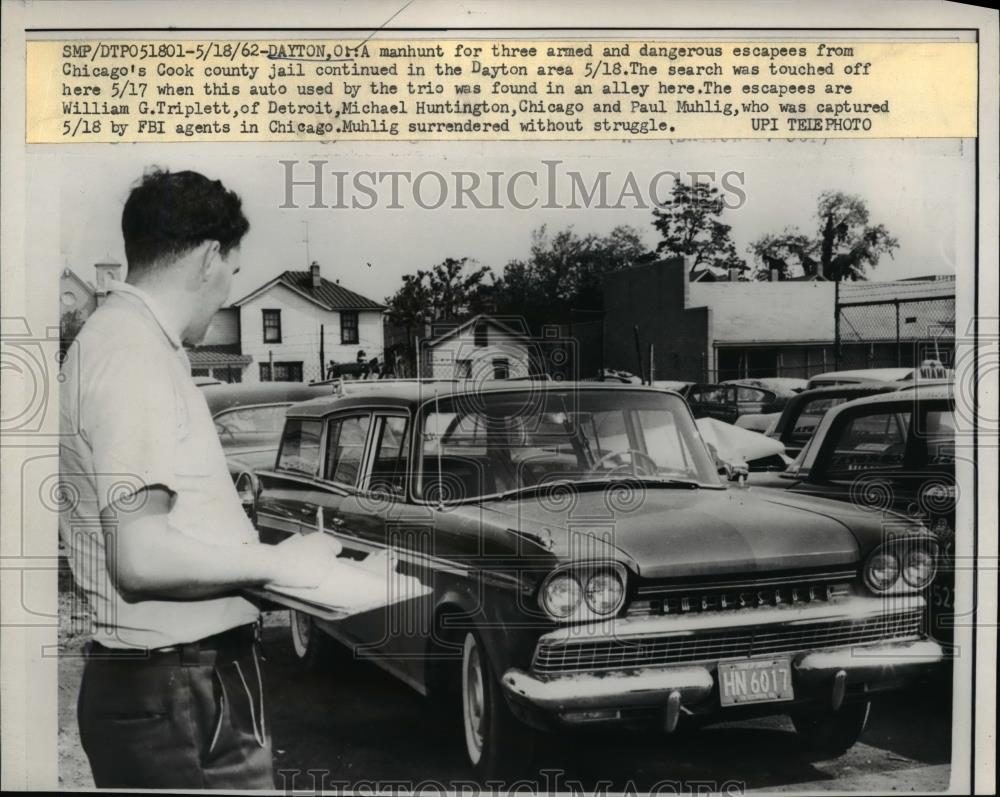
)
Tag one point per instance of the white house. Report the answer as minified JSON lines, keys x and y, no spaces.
{"x":480,"y":348}
{"x":296,"y":324}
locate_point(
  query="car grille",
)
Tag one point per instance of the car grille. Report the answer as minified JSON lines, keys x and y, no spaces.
{"x":561,"y":657}
{"x":657,"y":598}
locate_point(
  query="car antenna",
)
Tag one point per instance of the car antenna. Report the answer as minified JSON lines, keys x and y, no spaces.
{"x":437,"y":423}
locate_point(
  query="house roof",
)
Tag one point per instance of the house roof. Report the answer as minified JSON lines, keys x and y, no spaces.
{"x":329,"y":295}
{"x":218,"y":356}
{"x":482,"y":317}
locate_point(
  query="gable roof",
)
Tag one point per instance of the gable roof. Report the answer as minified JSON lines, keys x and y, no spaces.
{"x":482,"y":317}
{"x":328,"y":295}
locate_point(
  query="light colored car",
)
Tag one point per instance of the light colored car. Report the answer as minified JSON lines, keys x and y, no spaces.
{"x":927,"y":370}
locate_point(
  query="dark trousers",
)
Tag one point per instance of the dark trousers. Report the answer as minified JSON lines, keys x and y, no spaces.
{"x":191,"y":717}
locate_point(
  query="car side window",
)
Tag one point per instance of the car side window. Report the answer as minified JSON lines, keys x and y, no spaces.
{"x":390,"y":464}
{"x":300,"y":447}
{"x":875,"y":441}
{"x":345,"y":448}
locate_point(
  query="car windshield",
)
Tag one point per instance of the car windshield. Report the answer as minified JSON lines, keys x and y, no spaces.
{"x":260,"y":425}
{"x":490,"y":444}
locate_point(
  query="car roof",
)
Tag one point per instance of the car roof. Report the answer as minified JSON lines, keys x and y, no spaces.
{"x":773,"y":383}
{"x":932,"y":392}
{"x":846,"y":389}
{"x":868,"y":374}
{"x":225,"y":397}
{"x":408,"y":394}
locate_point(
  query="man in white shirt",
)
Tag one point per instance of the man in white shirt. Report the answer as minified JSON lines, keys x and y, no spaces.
{"x":172,"y":695}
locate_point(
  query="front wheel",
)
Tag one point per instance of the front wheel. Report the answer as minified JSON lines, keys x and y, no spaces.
{"x":312,"y":647}
{"x":497,"y":744}
{"x":831,"y":732}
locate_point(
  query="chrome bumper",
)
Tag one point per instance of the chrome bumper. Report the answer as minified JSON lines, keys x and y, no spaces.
{"x":824,"y":675}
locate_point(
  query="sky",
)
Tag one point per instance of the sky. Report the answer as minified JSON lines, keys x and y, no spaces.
{"x":921,"y":189}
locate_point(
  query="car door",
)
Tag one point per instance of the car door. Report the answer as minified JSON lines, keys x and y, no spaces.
{"x":397,"y":536}
{"x":292,"y":492}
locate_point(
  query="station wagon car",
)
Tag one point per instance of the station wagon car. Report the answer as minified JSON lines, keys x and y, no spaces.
{"x":892,"y":452}
{"x":586,"y":566}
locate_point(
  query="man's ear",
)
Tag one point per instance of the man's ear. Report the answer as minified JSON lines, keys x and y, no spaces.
{"x":209,"y":258}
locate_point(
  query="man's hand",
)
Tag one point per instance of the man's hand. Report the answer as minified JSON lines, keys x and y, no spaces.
{"x":304,"y":560}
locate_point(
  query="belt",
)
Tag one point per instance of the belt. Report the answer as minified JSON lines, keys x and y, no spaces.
{"x":224,"y":646}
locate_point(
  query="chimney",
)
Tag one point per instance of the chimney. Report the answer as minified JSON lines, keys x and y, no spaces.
{"x":107,"y":271}
{"x":314,"y":273}
{"x":775,"y":275}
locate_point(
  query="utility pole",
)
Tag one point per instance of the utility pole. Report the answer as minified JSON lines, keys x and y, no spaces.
{"x":306,"y":239}
{"x":322,"y":357}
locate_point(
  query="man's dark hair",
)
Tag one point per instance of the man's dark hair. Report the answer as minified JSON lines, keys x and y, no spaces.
{"x":170,"y":213}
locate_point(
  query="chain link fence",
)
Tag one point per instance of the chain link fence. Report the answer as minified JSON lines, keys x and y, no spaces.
{"x":895,"y":333}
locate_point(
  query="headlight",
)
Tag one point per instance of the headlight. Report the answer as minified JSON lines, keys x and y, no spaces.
{"x":561,"y":596}
{"x":918,"y":568}
{"x":584,"y":592}
{"x":902,"y":566}
{"x":882,"y":571}
{"x":604,"y":592}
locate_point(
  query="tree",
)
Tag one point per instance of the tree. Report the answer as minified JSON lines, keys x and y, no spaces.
{"x":844,"y":247}
{"x":565,"y":272}
{"x":690,"y":225}
{"x":783,"y":252}
{"x":451,"y":289}
{"x":848,"y":244}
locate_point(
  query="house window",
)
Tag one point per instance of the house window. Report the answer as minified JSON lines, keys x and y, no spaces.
{"x":282,"y":372}
{"x":348,"y":327}
{"x":481,"y":336}
{"x":272,"y":326}
{"x":501,"y":368}
{"x":200,"y":372}
{"x":463,"y":369}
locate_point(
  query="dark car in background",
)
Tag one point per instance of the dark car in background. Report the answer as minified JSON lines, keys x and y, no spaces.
{"x":892,"y":452}
{"x":729,"y":400}
{"x":585,"y":565}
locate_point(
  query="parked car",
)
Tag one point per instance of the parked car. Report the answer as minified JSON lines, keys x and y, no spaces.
{"x":587,"y":566}
{"x":760,"y":401}
{"x":894,"y":452}
{"x":803,"y":412}
{"x":249,"y":419}
{"x":706,"y":400}
{"x":927,"y":370}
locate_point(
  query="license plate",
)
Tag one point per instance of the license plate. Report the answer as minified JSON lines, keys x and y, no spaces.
{"x":758,"y":681}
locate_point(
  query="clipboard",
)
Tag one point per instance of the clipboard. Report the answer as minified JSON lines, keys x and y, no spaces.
{"x":350,"y":588}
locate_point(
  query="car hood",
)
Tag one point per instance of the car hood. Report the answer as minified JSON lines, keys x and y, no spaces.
{"x":680,"y":532}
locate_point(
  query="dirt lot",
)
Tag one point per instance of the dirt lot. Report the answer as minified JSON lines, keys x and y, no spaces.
{"x":353,"y":724}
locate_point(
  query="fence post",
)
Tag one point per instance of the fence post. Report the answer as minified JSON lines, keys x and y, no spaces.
{"x":899,"y":353}
{"x":836,"y":324}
